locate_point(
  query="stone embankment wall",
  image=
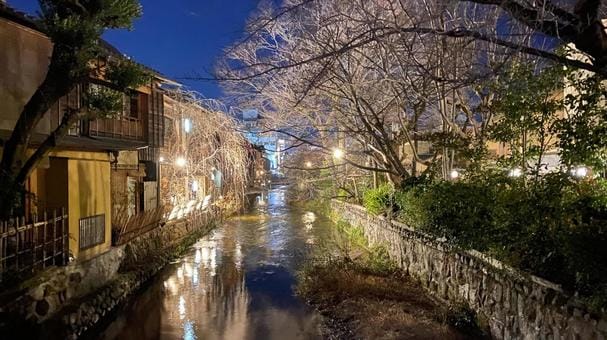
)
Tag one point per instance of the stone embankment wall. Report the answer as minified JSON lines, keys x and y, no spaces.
{"x":46,"y":293}
{"x":144,"y":257}
{"x":66,"y":301}
{"x":515,"y":306}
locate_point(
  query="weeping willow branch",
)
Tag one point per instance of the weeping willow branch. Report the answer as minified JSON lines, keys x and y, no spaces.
{"x":212,"y":146}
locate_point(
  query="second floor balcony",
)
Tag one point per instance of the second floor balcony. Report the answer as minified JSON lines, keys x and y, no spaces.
{"x":138,"y":125}
{"x":120,"y":127}
{"x":133,"y":126}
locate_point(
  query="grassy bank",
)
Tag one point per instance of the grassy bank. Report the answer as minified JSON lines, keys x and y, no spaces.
{"x":362,"y":295}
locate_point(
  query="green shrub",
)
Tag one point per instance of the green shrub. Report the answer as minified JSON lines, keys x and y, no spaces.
{"x":379,"y":201}
{"x":412,"y":208}
{"x":528,"y":220}
{"x":554,"y":227}
{"x":460,"y":212}
{"x":583,"y":239}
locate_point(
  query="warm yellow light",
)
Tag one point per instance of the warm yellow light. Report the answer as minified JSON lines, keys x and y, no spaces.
{"x":516,"y":172}
{"x":161,"y":159}
{"x":338,"y":153}
{"x":180,"y":162}
{"x":454,"y":174}
{"x":308,"y":164}
{"x":581,"y":171}
{"x":195,"y":186}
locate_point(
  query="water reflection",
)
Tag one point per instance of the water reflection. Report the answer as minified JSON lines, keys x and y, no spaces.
{"x":236,"y":283}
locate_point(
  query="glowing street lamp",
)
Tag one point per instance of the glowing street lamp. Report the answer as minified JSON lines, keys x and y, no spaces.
{"x":338,"y":153}
{"x":195,"y":186}
{"x":516,"y":172}
{"x":454,"y":174}
{"x":187,"y":125}
{"x":161,"y":159}
{"x":180,"y":162}
{"x":308,"y":164}
{"x":580,"y":172}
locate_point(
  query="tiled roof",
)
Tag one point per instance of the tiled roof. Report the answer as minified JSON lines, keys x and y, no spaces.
{"x":21,"y":18}
{"x":26,"y":20}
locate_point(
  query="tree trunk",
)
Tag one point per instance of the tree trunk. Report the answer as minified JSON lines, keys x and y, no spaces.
{"x":59,"y":80}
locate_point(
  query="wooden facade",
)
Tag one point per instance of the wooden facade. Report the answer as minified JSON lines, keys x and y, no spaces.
{"x":79,"y":174}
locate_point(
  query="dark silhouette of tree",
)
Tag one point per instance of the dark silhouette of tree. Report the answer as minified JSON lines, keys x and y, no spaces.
{"x":75,"y":28}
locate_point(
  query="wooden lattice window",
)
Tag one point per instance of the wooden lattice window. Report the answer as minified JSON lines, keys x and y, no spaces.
{"x":92,"y":231}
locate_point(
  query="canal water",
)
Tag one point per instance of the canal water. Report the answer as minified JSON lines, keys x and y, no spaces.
{"x":236,"y":283}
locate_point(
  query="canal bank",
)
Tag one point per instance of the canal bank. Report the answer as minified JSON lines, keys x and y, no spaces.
{"x":143,"y":258}
{"x":362,"y":294}
{"x":508,"y":303}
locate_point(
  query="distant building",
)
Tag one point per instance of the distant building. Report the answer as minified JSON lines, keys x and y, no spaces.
{"x":259,"y":166}
{"x":252,"y":123}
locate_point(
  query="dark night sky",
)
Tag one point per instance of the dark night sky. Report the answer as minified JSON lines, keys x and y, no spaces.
{"x":179,"y":37}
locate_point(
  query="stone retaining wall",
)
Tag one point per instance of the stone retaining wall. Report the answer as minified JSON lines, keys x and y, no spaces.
{"x":515,"y":306}
{"x":147,"y":245}
{"x":64,"y":302}
{"x":144,"y":257}
{"x":46,"y":293}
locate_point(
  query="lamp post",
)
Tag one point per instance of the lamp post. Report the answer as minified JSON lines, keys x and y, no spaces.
{"x":580,"y":172}
{"x":338,"y":154}
{"x":195,"y":188}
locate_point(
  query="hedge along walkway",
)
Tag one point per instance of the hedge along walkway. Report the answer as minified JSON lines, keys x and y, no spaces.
{"x":146,"y":256}
{"x":363,"y":295}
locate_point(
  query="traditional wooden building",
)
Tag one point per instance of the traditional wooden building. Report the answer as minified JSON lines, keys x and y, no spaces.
{"x":103,"y":166}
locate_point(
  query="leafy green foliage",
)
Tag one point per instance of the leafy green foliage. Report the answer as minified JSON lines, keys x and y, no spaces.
{"x":103,"y":102}
{"x":526,"y":106}
{"x":126,"y":74}
{"x":379,"y":201}
{"x":532,"y":116}
{"x":101,"y":14}
{"x":555,"y":227}
{"x":583,"y":134}
{"x":75,"y":28}
{"x":452,"y":210}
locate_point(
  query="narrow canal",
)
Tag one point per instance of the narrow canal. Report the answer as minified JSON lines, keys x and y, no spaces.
{"x":236,"y":283}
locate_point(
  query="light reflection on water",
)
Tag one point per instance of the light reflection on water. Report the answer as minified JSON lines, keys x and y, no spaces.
{"x":236,"y":283}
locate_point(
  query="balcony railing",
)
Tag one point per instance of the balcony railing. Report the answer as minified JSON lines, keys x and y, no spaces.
{"x":118,"y":127}
{"x":125,"y":125}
